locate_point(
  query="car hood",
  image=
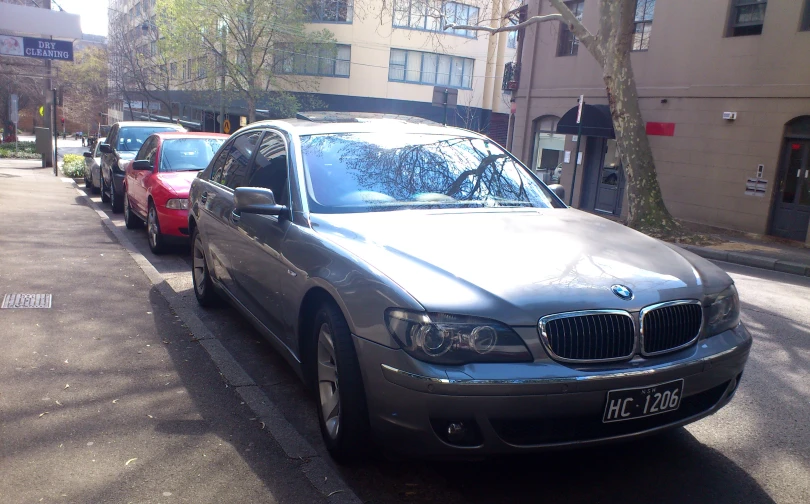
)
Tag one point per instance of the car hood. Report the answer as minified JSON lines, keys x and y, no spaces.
{"x":178,"y":182}
{"x":516,"y":265}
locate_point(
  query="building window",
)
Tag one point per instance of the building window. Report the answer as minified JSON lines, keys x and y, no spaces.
{"x":328,"y":61}
{"x":512,"y":36}
{"x":806,"y":17}
{"x":549,"y":147}
{"x":644,"y":20}
{"x":417,"y":15}
{"x":428,"y":68}
{"x":202,"y":68}
{"x":138,"y":9}
{"x":330,"y":11}
{"x":153,"y":48}
{"x":747,"y":17}
{"x":173,"y":70}
{"x":568,"y":44}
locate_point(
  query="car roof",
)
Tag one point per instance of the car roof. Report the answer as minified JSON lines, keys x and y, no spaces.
{"x":122,"y":124}
{"x":165,"y":135}
{"x":323,"y":123}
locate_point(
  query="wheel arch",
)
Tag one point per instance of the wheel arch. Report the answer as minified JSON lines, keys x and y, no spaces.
{"x":312,"y":300}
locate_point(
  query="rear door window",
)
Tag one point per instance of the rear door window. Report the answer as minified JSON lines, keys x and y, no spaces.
{"x":231,"y":167}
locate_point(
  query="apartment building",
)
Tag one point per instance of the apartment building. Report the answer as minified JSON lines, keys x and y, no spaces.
{"x":388,"y":58}
{"x":724,"y":88}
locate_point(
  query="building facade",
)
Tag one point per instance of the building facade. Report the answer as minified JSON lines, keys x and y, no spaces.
{"x":388,"y":58}
{"x":724,"y":89}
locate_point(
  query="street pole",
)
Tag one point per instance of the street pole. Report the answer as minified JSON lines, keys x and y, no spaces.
{"x":576,"y":155}
{"x":55,"y":132}
{"x":222,"y":80}
{"x":445,"y":106}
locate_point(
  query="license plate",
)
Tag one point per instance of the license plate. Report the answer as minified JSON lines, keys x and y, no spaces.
{"x":627,"y":404}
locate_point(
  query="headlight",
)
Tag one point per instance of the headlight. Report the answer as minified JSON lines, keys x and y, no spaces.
{"x":454,"y":339}
{"x":177,"y":204}
{"x":724,"y":312}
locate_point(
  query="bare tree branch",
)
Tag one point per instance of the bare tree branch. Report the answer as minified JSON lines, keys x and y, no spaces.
{"x":508,"y":28}
{"x":592,"y":43}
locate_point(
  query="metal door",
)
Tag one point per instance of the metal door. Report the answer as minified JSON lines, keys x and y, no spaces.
{"x":609,"y":190}
{"x":594,"y":153}
{"x":792,"y":205}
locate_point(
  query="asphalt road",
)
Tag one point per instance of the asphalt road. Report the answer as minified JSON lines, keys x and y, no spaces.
{"x":756,"y":450}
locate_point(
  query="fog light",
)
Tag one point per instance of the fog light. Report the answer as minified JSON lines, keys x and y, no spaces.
{"x":456,"y":432}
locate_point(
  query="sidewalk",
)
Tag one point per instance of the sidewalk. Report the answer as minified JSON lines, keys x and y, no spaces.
{"x":105,"y":396}
{"x":756,"y":251}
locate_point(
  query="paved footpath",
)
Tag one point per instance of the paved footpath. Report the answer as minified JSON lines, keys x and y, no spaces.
{"x":105,"y":396}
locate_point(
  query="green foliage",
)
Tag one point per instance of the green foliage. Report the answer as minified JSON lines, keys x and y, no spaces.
{"x":25,"y":150}
{"x":73,"y":166}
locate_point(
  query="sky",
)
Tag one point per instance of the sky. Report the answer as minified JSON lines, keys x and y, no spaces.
{"x":92,"y":12}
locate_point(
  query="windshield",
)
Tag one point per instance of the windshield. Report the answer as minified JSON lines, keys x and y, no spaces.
{"x":131,"y":138}
{"x":360,"y":172}
{"x":182,"y":154}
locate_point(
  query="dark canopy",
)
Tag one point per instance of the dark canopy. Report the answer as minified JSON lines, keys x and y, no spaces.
{"x":596,"y":122}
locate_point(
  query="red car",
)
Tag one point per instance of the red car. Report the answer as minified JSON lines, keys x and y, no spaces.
{"x":157,"y":181}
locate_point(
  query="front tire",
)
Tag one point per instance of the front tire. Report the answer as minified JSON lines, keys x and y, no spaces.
{"x":342,"y":409}
{"x":131,"y":220}
{"x":200,"y":275}
{"x":105,"y":198}
{"x":116,"y":201}
{"x":156,"y":240}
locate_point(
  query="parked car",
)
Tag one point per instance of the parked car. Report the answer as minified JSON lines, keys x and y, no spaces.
{"x":92,"y":168}
{"x":123,"y":142}
{"x":157,"y":181}
{"x":442,"y":301}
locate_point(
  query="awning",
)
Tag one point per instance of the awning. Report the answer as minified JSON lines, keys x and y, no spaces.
{"x":596,"y":122}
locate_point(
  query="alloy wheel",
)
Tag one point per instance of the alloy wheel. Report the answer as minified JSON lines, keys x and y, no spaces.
{"x":328,"y":386}
{"x":152,"y":227}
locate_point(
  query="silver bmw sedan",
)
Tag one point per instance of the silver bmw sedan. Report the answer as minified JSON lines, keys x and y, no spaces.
{"x":438,"y":299}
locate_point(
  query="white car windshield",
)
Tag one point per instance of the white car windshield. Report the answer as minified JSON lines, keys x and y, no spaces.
{"x":358,"y":172}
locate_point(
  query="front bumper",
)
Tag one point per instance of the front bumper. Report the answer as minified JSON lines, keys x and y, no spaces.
{"x":173,"y":222}
{"x":537,"y":405}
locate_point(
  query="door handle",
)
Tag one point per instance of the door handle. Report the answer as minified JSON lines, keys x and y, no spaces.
{"x":235,"y":216}
{"x":204,"y":196}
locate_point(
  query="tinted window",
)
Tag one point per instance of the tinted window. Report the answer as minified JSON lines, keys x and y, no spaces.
{"x":96,"y":151}
{"x":231,"y":166}
{"x":181,"y":154}
{"x":379,"y":171}
{"x":147,"y":148}
{"x":270,"y":167}
{"x":131,"y":138}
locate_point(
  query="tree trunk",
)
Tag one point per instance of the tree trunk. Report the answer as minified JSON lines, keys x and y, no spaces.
{"x":251,"y":104}
{"x":646,"y":205}
{"x":611,"y":48}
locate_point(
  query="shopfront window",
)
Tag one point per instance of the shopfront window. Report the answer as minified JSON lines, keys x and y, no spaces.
{"x":548,"y":150}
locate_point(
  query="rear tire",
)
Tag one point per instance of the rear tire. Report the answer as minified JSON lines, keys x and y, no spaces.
{"x":130,"y":219}
{"x":341,"y":400}
{"x":200,"y":275}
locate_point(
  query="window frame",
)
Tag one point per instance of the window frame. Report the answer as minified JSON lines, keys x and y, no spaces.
{"x":470,"y":34}
{"x":311,"y":4}
{"x":435,"y":73}
{"x":732,"y":25}
{"x":565,"y":32}
{"x":645,"y":30}
{"x":290,"y":172}
{"x":286,"y":58}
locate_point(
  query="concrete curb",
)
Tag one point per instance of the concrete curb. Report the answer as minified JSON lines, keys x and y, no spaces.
{"x":315,"y":468}
{"x":752,"y":260}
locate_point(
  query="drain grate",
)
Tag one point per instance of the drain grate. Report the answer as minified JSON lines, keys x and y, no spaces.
{"x":26,"y":301}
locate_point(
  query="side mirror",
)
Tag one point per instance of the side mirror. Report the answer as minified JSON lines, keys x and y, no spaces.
{"x":105,"y":148}
{"x":558,"y":190}
{"x":256,"y":200}
{"x":88,"y":154}
{"x":141,"y":164}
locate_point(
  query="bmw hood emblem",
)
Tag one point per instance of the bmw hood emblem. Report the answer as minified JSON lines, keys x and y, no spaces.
{"x":622,"y":291}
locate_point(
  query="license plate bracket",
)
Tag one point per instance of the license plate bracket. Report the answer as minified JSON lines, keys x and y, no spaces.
{"x":642,"y":402}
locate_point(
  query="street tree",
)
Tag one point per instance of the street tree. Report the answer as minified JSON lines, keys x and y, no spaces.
{"x":84,"y":84}
{"x":610,"y":46}
{"x":254,"y":43}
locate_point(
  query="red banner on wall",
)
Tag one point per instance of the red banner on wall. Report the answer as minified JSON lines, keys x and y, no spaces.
{"x":661,"y":128}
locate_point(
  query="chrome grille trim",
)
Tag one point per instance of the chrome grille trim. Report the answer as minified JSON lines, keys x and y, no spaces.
{"x":668,"y":319}
{"x":582,"y":322}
